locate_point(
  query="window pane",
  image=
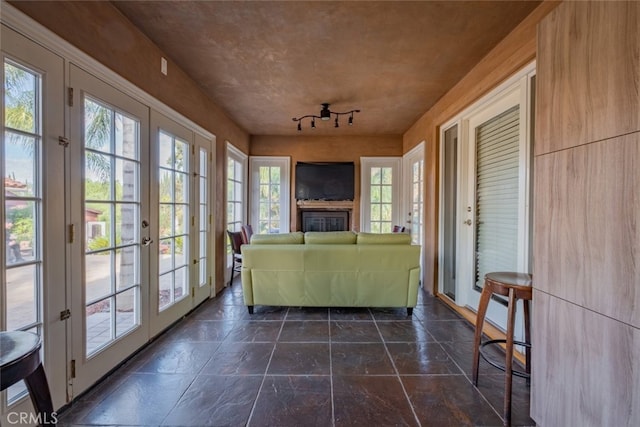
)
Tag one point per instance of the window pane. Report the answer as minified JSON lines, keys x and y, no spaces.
{"x":20,"y":165}
{"x":181,"y":219}
{"x":20,"y":225}
{"x":126,"y":267}
{"x":387,"y":176}
{"x":181,"y":156}
{"x":385,"y":195}
{"x":180,"y":290}
{"x":375,"y":212}
{"x":97,"y":184}
{"x":22,"y":296}
{"x":126,"y":316}
{"x":98,"y":122}
{"x":126,"y":137}
{"x":375,"y":176}
{"x":166,"y":255}
{"x":166,"y":151}
{"x":97,"y":275}
{"x":98,"y":321}
{"x":20,"y":98}
{"x":126,"y":180}
{"x":375,"y":194}
{"x":182,"y":187}
{"x":165,"y":284}
{"x":125,"y":226}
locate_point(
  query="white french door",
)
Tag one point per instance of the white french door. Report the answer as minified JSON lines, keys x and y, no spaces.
{"x":413,"y":167}
{"x":173,"y":221}
{"x":203,"y":242}
{"x":109,"y":205}
{"x":413,"y":196}
{"x":484,"y":194}
{"x":33,"y":165}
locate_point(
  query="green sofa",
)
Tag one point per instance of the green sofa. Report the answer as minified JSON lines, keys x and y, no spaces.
{"x":331,"y":269}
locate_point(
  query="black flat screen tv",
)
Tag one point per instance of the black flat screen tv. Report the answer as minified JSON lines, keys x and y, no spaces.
{"x":325,"y":181}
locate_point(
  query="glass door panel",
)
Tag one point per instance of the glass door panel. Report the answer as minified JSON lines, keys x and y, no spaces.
{"x":32,"y":165}
{"x":173,"y":222}
{"x":203,"y":245}
{"x":112,"y":208}
{"x":110,"y":282}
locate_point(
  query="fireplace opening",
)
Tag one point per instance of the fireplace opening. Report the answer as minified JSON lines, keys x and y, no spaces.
{"x":325,"y":220}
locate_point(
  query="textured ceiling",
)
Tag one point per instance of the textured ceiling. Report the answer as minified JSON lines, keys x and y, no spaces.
{"x":266,"y":62}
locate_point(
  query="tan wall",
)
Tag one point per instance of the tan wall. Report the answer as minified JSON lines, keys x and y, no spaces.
{"x":101,"y":31}
{"x":309,"y":148}
{"x":511,"y":54}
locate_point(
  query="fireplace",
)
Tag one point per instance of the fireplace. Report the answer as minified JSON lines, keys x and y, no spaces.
{"x":324,"y":220}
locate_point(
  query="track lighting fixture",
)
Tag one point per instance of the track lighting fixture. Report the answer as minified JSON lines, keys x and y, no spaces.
{"x":325,"y":114}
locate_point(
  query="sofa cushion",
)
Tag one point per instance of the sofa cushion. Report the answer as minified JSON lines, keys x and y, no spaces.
{"x":329,"y":238}
{"x":384,"y":239}
{"x":295,"y":238}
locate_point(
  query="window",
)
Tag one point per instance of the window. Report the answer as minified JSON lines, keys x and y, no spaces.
{"x":380,"y":194}
{"x":236,"y":192}
{"x":270,"y":183}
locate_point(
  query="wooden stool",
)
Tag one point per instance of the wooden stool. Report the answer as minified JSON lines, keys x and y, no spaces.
{"x":20,"y":360}
{"x":515,"y":286}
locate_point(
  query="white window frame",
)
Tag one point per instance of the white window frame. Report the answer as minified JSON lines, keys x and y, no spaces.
{"x":284,"y":163}
{"x":235,"y":154}
{"x":366,"y":163}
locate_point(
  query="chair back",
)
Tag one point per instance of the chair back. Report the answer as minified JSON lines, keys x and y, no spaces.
{"x":236,"y":240}
{"x":247,"y":232}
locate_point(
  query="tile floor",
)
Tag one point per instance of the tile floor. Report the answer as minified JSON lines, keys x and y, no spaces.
{"x":304,"y":367}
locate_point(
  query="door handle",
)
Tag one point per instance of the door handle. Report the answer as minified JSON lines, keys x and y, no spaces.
{"x":146,"y":241}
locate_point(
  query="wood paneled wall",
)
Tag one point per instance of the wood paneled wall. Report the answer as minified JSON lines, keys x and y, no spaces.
{"x":586,"y":323}
{"x":310,"y":148}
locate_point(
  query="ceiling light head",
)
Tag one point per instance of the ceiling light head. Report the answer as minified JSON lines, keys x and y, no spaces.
{"x":337,"y":125}
{"x":325,"y":113}
{"x":299,"y":127}
{"x":351,"y":119}
{"x":313,"y":123}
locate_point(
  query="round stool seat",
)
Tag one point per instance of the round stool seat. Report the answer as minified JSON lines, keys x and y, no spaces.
{"x":20,"y":360}
{"x":514,"y":286}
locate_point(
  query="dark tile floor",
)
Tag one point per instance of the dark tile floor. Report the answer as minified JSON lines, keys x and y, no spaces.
{"x":304,"y":367}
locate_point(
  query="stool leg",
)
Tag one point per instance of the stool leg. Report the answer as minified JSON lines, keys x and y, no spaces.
{"x":509,"y":357}
{"x":38,"y":388}
{"x":527,"y":338}
{"x":485,"y":297}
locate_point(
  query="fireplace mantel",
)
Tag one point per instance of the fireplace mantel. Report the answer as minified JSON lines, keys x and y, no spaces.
{"x":325,"y":204}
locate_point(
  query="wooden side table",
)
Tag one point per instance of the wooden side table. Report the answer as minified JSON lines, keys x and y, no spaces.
{"x":515,"y":286}
{"x":20,"y":360}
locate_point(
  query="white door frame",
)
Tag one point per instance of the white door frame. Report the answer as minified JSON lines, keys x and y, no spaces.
{"x":416,"y":154}
{"x":54,"y":163}
{"x":284,"y":162}
{"x":515,"y":90}
{"x":366,"y":163}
